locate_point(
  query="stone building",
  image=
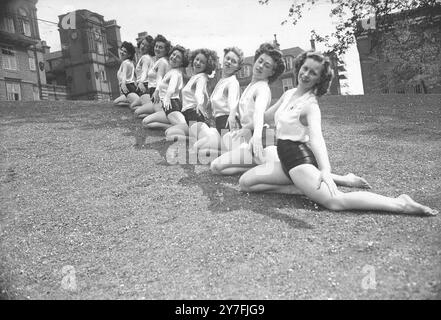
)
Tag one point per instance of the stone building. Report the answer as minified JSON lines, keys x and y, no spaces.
{"x":401,"y":53}
{"x":89,"y":59}
{"x":22,"y":75}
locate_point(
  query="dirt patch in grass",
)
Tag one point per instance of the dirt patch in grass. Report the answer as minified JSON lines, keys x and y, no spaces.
{"x":91,"y":209}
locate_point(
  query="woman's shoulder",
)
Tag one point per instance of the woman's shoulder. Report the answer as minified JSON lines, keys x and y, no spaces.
{"x":262,"y":87}
{"x":163,"y":61}
{"x":290,"y":91}
{"x":233,"y":80}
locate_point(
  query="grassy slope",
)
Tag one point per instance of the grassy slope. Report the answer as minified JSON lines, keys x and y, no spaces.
{"x":82,"y":184}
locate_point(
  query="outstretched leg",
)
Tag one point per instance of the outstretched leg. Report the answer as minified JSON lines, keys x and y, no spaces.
{"x":306,"y":176}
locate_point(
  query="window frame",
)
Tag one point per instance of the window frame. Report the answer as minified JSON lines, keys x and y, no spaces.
{"x":287,"y":86}
{"x":10,"y":94}
{"x":9,"y":55}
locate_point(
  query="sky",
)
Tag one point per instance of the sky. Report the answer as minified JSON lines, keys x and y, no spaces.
{"x":214,"y":24}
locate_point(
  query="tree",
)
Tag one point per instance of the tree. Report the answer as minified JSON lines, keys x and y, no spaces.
{"x":350,"y":16}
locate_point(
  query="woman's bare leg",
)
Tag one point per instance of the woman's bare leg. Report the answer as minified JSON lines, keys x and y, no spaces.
{"x":305,"y":177}
{"x":268,"y":177}
{"x":157,"y":120}
{"x":147,"y":109}
{"x":121,"y":101}
{"x":233,"y":162}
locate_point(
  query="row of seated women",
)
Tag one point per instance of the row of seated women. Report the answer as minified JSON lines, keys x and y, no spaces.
{"x":296,"y":162}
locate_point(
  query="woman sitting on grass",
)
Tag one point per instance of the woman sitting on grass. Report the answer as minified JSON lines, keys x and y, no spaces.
{"x":144,"y":65}
{"x":268,"y":66}
{"x":303,"y":165}
{"x":224,"y":102}
{"x":160,"y":67}
{"x":246,"y":144}
{"x":126,"y":75}
{"x":194,"y":96}
{"x":168,"y":90}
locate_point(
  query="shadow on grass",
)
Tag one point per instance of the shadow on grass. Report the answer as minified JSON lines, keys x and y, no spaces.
{"x":223,"y":197}
{"x":220,"y":191}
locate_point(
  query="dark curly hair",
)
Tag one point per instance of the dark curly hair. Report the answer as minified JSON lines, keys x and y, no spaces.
{"x":150,"y":45}
{"x":326,"y":75}
{"x":212,"y":59}
{"x":276,"y":55}
{"x":184,"y":54}
{"x":130,"y":49}
{"x":167,"y":44}
{"x":238,"y":52}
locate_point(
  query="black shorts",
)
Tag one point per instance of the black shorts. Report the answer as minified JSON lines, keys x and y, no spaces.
{"x":139,"y":92}
{"x":150,"y":91}
{"x":131,"y":87}
{"x":192,"y":116}
{"x":222,"y":124}
{"x":294,"y":153}
{"x":176,"y":105}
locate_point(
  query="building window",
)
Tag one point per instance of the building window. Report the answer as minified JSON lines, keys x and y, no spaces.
{"x":26,"y":28}
{"x":9,"y":60}
{"x":289,"y":62}
{"x":32,"y":66}
{"x":245,"y":72}
{"x":103,"y":75}
{"x":287,"y":84}
{"x":7,"y":25}
{"x":13,"y":92}
{"x":25,"y":22}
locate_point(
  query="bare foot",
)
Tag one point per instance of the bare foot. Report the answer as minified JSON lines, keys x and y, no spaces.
{"x":411,"y":206}
{"x":357,"y":182}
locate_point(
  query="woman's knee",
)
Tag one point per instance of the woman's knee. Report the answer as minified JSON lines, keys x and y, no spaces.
{"x":334,"y":203}
{"x":215,"y":166}
{"x":245,"y":183}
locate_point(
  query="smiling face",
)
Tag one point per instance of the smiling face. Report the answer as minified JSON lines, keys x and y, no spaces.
{"x":123,"y":53}
{"x":199,"y":63}
{"x":176,"y":59}
{"x":231,"y":63}
{"x":143,"y":46}
{"x":159,"y":49}
{"x":310,"y":73}
{"x":263,"y":67}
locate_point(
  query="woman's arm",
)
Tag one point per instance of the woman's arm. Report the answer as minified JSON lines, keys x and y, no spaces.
{"x":146,"y":64}
{"x":269,"y":114}
{"x":145,"y":67}
{"x":172,"y":88}
{"x":233,"y":104}
{"x":162,"y":70}
{"x":318,"y":146}
{"x":124,"y":77}
{"x":201,"y":86}
{"x":261,"y":102}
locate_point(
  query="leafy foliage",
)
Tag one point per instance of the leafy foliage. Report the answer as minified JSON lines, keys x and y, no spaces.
{"x":347,"y":14}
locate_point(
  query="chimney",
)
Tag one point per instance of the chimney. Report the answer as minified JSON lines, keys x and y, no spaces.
{"x":46,"y":48}
{"x":312,"y":44}
{"x":275,"y":43}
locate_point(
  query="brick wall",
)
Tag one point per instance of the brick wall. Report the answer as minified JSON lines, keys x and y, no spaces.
{"x":403,"y":57}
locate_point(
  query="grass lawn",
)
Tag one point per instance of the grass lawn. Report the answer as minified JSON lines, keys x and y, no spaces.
{"x":90,"y":209}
